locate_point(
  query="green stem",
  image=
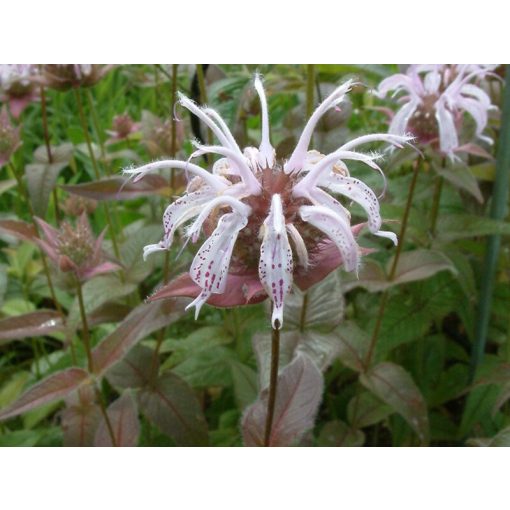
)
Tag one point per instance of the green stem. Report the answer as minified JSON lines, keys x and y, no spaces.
{"x":394,"y":265}
{"x":436,"y":200}
{"x":46,"y":133}
{"x":97,"y":128}
{"x":310,"y":97}
{"x":310,"y":84}
{"x":86,"y":134}
{"x":497,"y":212}
{"x":273,"y":383}
{"x":106,"y":418}
{"x":166,"y":266}
{"x":46,"y":269}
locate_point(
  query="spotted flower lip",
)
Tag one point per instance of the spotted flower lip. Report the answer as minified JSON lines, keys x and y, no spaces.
{"x":265,"y":217}
{"x":433,"y":99}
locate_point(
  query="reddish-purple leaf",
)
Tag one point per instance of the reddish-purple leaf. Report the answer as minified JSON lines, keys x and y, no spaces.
{"x":118,"y":188}
{"x":80,"y":418}
{"x":299,"y":393}
{"x":240,"y":290}
{"x":109,"y":312}
{"x":123,"y":416}
{"x":142,"y":321}
{"x":18,"y":229}
{"x":54,"y":387}
{"x":135,"y":370}
{"x":30,"y":324}
{"x":393,"y":385}
{"x":172,"y":406}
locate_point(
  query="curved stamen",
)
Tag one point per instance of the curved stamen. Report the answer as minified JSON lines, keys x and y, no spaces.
{"x":214,"y":181}
{"x":206,"y":119}
{"x":297,"y":158}
{"x":266,"y":156}
{"x":238,"y":159}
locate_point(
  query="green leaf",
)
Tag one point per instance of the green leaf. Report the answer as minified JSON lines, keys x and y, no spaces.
{"x":452,"y":227}
{"x":354,"y":344}
{"x":200,"y":340}
{"x":42,"y":175}
{"x":365,"y":409}
{"x":462,"y":177}
{"x":321,"y":307}
{"x":245,"y":383}
{"x":393,"y":385}
{"x":502,"y":438}
{"x":97,"y":292}
{"x":338,"y":433}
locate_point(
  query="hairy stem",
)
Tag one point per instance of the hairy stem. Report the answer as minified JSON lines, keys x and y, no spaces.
{"x":85,"y":327}
{"x":273,"y":382}
{"x":394,"y":265}
{"x":310,"y":84}
{"x":86,"y":134}
{"x":46,"y":134}
{"x":436,"y":200}
{"x":46,"y":269}
{"x":97,"y":128}
{"x":106,"y":418}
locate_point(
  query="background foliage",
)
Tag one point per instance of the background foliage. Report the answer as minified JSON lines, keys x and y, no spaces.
{"x":387,"y":359}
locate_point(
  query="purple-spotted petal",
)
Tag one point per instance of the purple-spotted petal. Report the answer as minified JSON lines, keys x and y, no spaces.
{"x":275,"y":264}
{"x":210,"y":265}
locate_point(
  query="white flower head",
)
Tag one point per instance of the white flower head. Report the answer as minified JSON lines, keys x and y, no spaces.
{"x":433,"y":99}
{"x":264,"y":214}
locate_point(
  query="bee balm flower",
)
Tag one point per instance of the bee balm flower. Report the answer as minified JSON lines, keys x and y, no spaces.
{"x":262,"y":214}
{"x":434,"y":100}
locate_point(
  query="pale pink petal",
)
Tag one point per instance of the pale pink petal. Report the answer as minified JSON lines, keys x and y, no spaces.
{"x":178,"y":213}
{"x":337,"y":229}
{"x":223,"y":200}
{"x":398,"y":125}
{"x":275,"y":263}
{"x":297,"y":159}
{"x":360,"y":193}
{"x":299,"y":245}
{"x":214,"y":181}
{"x":448,"y":139}
{"x":266,"y":151}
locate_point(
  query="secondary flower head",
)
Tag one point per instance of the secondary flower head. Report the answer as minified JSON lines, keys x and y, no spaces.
{"x":17,"y":85}
{"x":122,"y":127}
{"x":434,"y":98}
{"x":68,"y":76}
{"x":75,"y":249}
{"x":264,"y":214}
{"x":9,"y":137}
